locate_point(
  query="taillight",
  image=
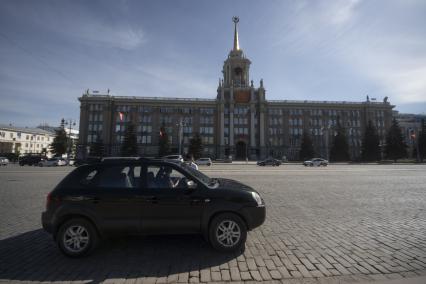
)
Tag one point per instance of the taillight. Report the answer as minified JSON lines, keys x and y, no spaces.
{"x":48,"y":200}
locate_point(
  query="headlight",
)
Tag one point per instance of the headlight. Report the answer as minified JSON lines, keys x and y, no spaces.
{"x":257,"y":198}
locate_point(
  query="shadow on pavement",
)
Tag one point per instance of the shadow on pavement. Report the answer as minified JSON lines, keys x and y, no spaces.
{"x":33,"y":256}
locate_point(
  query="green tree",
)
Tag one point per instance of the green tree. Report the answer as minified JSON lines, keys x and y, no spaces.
{"x":97,"y":148}
{"x":163,"y":142}
{"x":370,"y":150}
{"x":339,"y":151}
{"x":43,"y":152}
{"x":129,"y":146}
{"x":59,"y":145}
{"x":306,"y":148}
{"x":195,"y":148}
{"x":395,"y":145}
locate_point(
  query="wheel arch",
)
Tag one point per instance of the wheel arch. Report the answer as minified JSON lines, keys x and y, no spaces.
{"x":70,"y":216}
{"x":205,"y":229}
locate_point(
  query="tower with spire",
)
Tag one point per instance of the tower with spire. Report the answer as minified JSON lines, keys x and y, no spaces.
{"x":241,"y":106}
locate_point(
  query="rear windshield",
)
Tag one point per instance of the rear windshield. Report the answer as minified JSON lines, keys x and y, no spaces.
{"x":82,"y":175}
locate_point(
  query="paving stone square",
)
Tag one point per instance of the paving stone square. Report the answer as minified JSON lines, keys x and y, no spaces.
{"x":339,"y":224}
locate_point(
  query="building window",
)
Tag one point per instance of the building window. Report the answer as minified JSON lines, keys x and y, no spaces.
{"x":206,"y":110}
{"x":145,"y":139}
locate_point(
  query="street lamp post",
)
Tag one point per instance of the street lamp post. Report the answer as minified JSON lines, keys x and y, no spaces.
{"x":180,"y":134}
{"x":70,"y":123}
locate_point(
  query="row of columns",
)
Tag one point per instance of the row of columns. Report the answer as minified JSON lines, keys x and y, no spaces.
{"x":252,"y":109}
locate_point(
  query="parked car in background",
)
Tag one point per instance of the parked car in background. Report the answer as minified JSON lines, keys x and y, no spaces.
{"x":149,"y":196}
{"x":317,"y":162}
{"x":30,"y":160}
{"x":53,"y":162}
{"x":228,"y":159}
{"x":88,"y":161}
{"x":70,"y":162}
{"x":269,"y":162}
{"x":204,"y":162}
{"x":4,"y":161}
{"x":178,"y":158}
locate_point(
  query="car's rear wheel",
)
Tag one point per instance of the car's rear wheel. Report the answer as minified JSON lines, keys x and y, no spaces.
{"x":77,"y":237}
{"x":227,"y":232}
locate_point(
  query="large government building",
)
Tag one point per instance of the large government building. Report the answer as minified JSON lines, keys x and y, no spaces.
{"x":240,"y":122}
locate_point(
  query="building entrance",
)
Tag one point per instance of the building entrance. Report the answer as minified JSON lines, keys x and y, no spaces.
{"x":241,"y":151}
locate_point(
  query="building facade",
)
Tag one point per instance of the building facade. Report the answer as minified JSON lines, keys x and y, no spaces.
{"x":240,"y":122}
{"x":24,"y":140}
{"x":411,"y":126}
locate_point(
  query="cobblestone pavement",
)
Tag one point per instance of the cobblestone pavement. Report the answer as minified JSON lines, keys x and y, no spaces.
{"x":343,"y":223}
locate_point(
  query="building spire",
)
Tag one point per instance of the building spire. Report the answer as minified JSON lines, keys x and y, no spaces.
{"x":236,"y":44}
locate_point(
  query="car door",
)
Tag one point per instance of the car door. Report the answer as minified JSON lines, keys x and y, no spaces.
{"x":117,"y":198}
{"x":169,"y":205}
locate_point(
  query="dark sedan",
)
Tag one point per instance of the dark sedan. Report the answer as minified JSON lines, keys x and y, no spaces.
{"x":269,"y":162}
{"x":145,"y":196}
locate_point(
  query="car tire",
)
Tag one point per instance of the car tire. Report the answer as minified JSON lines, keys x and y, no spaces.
{"x":84,"y":233}
{"x":227,"y":232}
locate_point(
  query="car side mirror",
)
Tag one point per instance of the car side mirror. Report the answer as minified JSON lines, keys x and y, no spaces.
{"x":191,"y":184}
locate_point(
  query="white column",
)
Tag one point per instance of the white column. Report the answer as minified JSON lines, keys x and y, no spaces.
{"x":262,"y":127}
{"x":231,"y":125}
{"x":231,"y":117}
{"x":252,"y":129}
{"x":252,"y":111}
{"x":222,"y":126}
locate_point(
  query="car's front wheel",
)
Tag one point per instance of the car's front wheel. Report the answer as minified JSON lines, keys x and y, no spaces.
{"x":77,"y":237}
{"x":227,"y":232}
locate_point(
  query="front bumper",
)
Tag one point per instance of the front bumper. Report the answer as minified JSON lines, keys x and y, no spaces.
{"x":255,"y":216}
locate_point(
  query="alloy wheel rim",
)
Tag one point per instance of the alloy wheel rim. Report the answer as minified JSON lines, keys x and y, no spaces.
{"x":228,"y":233}
{"x":76,"y":238}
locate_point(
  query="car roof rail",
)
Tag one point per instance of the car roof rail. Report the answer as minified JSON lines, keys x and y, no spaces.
{"x":125,"y":159}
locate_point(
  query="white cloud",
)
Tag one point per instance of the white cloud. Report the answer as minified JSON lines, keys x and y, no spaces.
{"x":340,"y":12}
{"x":101,"y":34}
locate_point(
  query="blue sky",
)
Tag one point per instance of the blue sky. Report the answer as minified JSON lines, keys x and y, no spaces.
{"x":52,"y":51}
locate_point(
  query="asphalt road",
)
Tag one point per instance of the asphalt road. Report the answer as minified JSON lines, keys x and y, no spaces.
{"x":340,"y":223}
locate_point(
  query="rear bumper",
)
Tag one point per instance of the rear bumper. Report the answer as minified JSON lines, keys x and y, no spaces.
{"x":254,"y":216}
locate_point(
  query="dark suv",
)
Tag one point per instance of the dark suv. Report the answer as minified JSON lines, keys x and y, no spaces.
{"x":144,"y":196}
{"x":30,"y":160}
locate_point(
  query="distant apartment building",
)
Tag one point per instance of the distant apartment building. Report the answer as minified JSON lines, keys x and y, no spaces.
{"x":240,"y":122}
{"x":24,"y":140}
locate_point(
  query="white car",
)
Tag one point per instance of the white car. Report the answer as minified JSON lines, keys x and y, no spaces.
{"x":53,"y":162}
{"x":4,"y":161}
{"x":317,"y":162}
{"x":174,"y":158}
{"x":204,"y":162}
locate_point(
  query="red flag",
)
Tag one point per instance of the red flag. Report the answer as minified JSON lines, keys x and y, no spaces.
{"x":121,"y":116}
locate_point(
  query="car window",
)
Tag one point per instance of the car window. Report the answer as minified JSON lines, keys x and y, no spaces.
{"x":120,"y":177}
{"x":88,"y":177}
{"x":165,"y":177}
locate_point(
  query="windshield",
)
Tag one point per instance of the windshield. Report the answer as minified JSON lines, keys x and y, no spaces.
{"x":199,"y":175}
